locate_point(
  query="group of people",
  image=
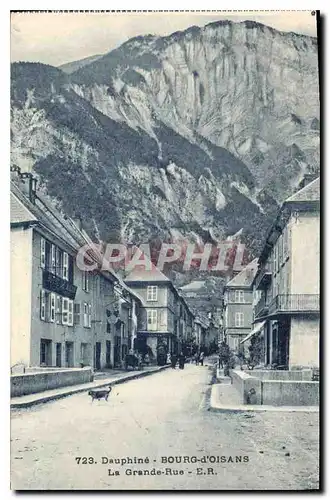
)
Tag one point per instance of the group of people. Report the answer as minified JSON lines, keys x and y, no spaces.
{"x":174,"y":359}
{"x":199,"y":358}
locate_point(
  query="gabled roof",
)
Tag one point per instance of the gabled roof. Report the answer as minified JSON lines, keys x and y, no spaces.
{"x":19,"y":214}
{"x":245,"y":278}
{"x":311,"y":192}
{"x":139,"y":273}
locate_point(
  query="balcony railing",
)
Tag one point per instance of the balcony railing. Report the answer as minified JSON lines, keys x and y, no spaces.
{"x":261,"y":308}
{"x":58,"y":285}
{"x":292,"y":303}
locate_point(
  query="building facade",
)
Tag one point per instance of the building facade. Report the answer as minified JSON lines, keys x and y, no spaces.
{"x":61,"y":316}
{"x":287,"y":283}
{"x":238,"y":307}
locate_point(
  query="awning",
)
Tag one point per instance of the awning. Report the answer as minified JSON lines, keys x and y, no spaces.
{"x":256,"y":330}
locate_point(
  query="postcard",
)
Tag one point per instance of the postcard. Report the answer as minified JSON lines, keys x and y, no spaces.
{"x":165,"y":250}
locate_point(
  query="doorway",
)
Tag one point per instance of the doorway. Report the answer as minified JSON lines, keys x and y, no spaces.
{"x":98,"y":347}
{"x":69,"y":354}
{"x":58,"y":354}
{"x":45,"y":352}
{"x":108,"y":353}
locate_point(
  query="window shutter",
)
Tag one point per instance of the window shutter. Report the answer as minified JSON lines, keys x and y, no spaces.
{"x":70,"y":312}
{"x":43,"y":253}
{"x":65,"y":310}
{"x":52,"y":308}
{"x":89,"y":315}
{"x":77,"y":314}
{"x":42,"y":305}
{"x":53,"y":259}
{"x":58,"y":309}
{"x":65,"y":266}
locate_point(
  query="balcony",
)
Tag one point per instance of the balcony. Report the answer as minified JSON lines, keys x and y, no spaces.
{"x":58,"y":285}
{"x":261,"y":308}
{"x":297,"y":303}
{"x":263,"y":278}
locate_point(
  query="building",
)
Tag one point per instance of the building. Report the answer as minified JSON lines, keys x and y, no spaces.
{"x":286,"y":285}
{"x":238,"y":308}
{"x":61,"y":316}
{"x":200,"y":333}
{"x":165,"y":322}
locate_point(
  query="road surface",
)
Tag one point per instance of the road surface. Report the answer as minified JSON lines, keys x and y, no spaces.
{"x":154,"y":420}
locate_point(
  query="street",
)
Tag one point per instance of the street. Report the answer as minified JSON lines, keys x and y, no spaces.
{"x":151,"y":420}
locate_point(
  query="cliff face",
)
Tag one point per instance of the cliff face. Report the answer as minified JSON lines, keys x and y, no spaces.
{"x":191,"y":135}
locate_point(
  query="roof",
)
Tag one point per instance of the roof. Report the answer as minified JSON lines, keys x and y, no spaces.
{"x":139,"y":273}
{"x":245,"y":278}
{"x":194,"y":285}
{"x":19,"y":214}
{"x":311,"y":192}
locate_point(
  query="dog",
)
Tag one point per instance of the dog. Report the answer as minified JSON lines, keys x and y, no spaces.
{"x":100,"y":393}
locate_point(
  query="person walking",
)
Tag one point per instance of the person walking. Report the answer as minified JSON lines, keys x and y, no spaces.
{"x":173,"y":360}
{"x":201,"y":358}
{"x":181,"y":360}
{"x":168,"y":358}
{"x":196,"y":358}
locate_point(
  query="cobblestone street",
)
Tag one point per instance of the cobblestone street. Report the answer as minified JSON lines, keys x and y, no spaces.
{"x":161,"y":416}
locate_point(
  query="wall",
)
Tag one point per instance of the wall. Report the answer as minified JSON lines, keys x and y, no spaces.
{"x":283,"y":374}
{"x":275,"y":392}
{"x":20,"y":294}
{"x":56,"y":332}
{"x":290,"y":393}
{"x":305,"y":272}
{"x":304,"y":342}
{"x":31,"y":383}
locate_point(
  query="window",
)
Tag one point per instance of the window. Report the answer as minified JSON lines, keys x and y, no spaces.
{"x":76,"y":314}
{"x":85,"y":277}
{"x":43,"y":253}
{"x":70,"y":313}
{"x":58,"y":309}
{"x":59,"y":262}
{"x":65,"y":266}
{"x":67,"y":312}
{"x":275,"y":259}
{"x":152,"y":319}
{"x":152,"y":293}
{"x":87,"y":315}
{"x":43,"y":305}
{"x":53,"y":259}
{"x":239,"y":296}
{"x":52,"y":308}
{"x":239,"y":319}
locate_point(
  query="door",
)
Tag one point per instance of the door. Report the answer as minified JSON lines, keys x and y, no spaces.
{"x":45,"y":352}
{"x":69,"y":354}
{"x":117,"y":348}
{"x":58,"y":354}
{"x":98,"y":355}
{"x":108,"y":353}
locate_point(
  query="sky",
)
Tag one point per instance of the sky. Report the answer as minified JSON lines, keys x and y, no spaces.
{"x":58,"y":38}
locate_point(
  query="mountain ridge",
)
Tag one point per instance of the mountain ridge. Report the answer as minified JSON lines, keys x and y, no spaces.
{"x":188,"y":139}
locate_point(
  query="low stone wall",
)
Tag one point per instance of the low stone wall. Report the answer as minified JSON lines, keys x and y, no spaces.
{"x":290,"y":393}
{"x":282,"y":374}
{"x":30,"y":383}
{"x":248,"y":387}
{"x":262,"y":388}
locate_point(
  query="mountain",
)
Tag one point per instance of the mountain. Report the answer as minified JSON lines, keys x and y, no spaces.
{"x":70,"y":67}
{"x":197,"y":135}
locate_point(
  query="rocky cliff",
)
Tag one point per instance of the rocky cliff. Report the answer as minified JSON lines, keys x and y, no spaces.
{"x":199,"y":134}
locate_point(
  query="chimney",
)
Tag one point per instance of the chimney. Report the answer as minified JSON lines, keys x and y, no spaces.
{"x":307,"y":179}
{"x":29,"y":185}
{"x":25,"y":181}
